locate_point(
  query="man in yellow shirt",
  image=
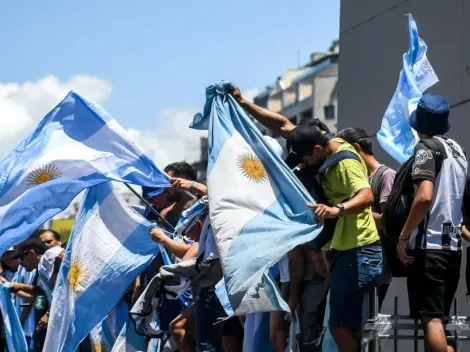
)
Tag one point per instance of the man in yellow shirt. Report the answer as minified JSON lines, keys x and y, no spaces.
{"x":358,"y":260}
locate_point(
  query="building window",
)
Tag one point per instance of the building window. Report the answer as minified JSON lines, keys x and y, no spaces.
{"x":329,"y":112}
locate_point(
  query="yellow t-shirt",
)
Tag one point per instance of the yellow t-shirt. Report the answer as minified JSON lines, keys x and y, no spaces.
{"x":340,"y":183}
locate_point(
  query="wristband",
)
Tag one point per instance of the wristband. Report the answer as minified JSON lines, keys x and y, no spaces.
{"x":192,"y":187}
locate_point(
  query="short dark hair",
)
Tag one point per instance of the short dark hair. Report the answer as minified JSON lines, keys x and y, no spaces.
{"x":55,"y":234}
{"x":359,"y":136}
{"x":182,"y":170}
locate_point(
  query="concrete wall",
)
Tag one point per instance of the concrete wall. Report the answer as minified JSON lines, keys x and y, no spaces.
{"x":373,"y":38}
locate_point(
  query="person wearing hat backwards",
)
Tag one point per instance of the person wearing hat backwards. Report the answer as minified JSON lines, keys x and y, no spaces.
{"x":430,"y":242}
{"x":358,"y":259}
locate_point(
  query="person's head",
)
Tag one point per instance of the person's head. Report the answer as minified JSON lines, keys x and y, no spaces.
{"x":30,"y":252}
{"x":50,"y":238}
{"x":163,"y":198}
{"x":358,"y":138}
{"x":8,"y":260}
{"x":181,"y":170}
{"x":294,"y":159}
{"x":431,"y":117}
{"x":309,"y":143}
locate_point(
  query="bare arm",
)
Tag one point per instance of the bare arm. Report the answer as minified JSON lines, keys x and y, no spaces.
{"x":273,"y":121}
{"x":419,"y":208}
{"x":378,"y":217}
{"x":28,"y":289}
{"x":192,"y":252}
{"x":296,"y":273}
{"x":361,"y":200}
{"x":177,"y":248}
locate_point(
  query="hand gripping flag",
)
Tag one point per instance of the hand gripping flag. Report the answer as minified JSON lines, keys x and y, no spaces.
{"x":257,"y":206}
{"x":110,"y":245}
{"x":396,"y":136}
{"x":77,"y":145}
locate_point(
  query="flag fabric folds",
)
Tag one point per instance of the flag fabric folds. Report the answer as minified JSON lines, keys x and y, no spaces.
{"x":396,"y":136}
{"x":109,"y":246}
{"x":77,"y":145}
{"x":257,"y":206}
{"x":14,"y":335}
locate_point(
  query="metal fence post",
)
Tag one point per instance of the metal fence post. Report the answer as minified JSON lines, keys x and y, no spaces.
{"x":395,"y":331}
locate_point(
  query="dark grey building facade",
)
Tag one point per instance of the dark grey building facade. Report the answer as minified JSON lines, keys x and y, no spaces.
{"x":373,"y":38}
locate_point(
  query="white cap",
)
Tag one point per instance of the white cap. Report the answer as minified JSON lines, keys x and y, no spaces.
{"x":275,"y":145}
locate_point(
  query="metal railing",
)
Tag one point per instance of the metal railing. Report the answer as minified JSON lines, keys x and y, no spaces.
{"x":388,"y":327}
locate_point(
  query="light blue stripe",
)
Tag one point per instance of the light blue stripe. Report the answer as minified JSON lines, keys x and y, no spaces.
{"x":137,"y":251}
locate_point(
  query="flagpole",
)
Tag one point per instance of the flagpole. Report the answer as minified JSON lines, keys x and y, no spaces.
{"x":150,"y":207}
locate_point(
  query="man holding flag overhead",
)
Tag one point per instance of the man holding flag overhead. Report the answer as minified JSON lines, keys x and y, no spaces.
{"x":256,"y":204}
{"x":355,"y":242}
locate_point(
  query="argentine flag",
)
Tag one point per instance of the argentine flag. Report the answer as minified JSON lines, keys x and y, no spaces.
{"x":396,"y":136}
{"x":77,"y":145}
{"x":14,"y":335}
{"x":257,"y":206}
{"x":109,"y":246}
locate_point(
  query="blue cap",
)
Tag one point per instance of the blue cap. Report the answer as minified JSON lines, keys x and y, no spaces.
{"x":431,"y":117}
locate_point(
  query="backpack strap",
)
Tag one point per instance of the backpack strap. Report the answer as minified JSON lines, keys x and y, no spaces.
{"x":376,"y":184}
{"x":336,"y":158}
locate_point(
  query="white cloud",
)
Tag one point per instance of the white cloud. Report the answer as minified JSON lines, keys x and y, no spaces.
{"x":22,"y":106}
{"x":171,"y":139}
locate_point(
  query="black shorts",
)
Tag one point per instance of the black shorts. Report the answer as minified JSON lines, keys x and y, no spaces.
{"x":432,"y":282}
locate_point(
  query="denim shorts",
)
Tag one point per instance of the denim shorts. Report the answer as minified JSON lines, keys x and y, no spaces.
{"x":354,"y":273}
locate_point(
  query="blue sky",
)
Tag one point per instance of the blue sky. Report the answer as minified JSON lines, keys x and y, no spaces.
{"x":161,"y":54}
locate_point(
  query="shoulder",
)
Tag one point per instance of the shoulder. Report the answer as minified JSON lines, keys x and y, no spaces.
{"x":422,"y":154}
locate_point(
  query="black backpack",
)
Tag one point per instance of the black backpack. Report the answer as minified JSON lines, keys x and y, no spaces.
{"x":310,"y":178}
{"x":401,"y":197}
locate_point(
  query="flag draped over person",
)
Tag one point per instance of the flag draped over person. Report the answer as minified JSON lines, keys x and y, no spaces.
{"x":109,"y":246}
{"x":396,"y":136}
{"x":77,"y":145}
{"x":257,"y":206}
{"x":14,"y":335}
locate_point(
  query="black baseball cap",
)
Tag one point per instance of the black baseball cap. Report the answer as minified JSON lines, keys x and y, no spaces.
{"x":353,"y":134}
{"x":27,"y":245}
{"x":302,"y":139}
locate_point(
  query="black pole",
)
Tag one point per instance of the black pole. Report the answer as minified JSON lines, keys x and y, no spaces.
{"x":150,"y":206}
{"x":456,"y":315}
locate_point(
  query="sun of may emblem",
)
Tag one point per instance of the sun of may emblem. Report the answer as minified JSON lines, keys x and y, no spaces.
{"x":78,"y":275}
{"x":252,"y":168}
{"x":43,"y":174}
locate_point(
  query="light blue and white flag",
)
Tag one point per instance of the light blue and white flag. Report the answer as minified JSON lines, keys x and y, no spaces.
{"x":257,"y":206}
{"x":256,"y":337}
{"x":77,"y":145}
{"x":129,"y":340}
{"x":105,"y":334}
{"x":109,"y":246}
{"x":396,"y":136}
{"x":14,"y":335}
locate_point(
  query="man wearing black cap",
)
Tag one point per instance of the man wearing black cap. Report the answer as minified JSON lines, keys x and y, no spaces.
{"x":358,"y":260}
{"x":430,"y":242}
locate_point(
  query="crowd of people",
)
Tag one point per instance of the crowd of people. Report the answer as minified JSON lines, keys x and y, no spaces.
{"x":352,"y":198}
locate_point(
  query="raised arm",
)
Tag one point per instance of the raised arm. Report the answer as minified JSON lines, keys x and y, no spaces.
{"x":274,"y":121}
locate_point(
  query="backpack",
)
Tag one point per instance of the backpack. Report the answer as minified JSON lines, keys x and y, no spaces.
{"x":401,"y":197}
{"x":313,"y":185}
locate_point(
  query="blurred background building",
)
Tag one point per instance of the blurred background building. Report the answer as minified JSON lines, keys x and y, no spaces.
{"x":373,"y":38}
